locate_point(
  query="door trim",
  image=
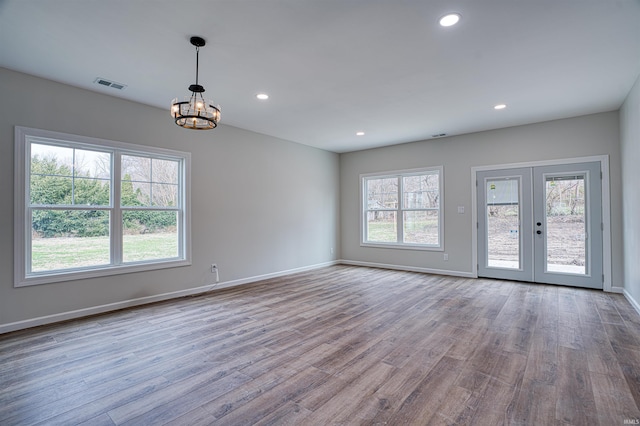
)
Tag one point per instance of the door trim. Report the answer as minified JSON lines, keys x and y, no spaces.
{"x":606,"y":207}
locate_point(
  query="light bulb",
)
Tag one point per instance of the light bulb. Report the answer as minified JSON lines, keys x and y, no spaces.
{"x":450,"y":19}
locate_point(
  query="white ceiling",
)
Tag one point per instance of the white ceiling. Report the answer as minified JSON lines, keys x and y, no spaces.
{"x":334,"y":67}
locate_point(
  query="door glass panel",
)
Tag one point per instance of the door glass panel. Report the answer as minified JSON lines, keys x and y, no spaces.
{"x":503,"y":223}
{"x":566,"y":250}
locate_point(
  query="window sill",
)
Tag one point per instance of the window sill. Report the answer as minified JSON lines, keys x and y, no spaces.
{"x":402,"y":246}
{"x":96,"y":272}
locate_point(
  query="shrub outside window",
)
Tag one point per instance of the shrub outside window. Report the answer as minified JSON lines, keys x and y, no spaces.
{"x":402,"y":209}
{"x":88,"y":207}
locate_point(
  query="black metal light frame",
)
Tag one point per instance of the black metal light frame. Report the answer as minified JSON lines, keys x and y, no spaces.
{"x":196,"y":113}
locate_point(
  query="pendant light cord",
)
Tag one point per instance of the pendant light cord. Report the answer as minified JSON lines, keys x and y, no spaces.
{"x":197,"y":62}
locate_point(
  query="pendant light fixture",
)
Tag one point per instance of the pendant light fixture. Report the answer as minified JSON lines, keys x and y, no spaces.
{"x":194,"y":112}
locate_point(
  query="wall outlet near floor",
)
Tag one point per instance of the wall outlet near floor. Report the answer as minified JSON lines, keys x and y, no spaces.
{"x":214,"y":270}
{"x":446,"y":256}
{"x":331,"y":250}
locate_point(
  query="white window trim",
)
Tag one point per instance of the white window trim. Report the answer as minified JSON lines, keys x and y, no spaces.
{"x":401,"y":245}
{"x":23,"y":136}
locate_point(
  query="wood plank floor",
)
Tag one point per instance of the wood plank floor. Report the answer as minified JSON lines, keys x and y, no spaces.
{"x":339,"y":345}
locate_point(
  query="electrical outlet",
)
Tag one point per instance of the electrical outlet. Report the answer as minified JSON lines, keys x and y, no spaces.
{"x":214,"y":270}
{"x":446,"y":256}
{"x":331,"y":250}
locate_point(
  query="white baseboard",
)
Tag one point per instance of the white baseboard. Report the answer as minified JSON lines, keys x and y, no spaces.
{"x":79,"y":313}
{"x":615,"y":289}
{"x":409,"y":268}
{"x":631,"y":300}
{"x":253,"y":279}
{"x":64,"y":316}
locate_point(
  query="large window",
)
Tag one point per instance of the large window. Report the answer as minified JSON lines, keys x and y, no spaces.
{"x":402,"y":209}
{"x":86,"y":207}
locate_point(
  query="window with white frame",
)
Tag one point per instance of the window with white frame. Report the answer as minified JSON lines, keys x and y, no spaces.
{"x":402,"y":209}
{"x":87,"y":207}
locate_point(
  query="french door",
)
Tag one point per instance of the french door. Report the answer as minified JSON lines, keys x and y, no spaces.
{"x":541,"y":224}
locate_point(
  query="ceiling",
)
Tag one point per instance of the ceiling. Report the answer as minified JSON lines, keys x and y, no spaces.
{"x":336,"y":67}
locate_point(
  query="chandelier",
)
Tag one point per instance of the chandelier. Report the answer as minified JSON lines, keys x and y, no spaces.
{"x":194,"y":112}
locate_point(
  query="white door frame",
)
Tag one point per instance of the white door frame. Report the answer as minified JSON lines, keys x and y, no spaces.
{"x":606,"y":207}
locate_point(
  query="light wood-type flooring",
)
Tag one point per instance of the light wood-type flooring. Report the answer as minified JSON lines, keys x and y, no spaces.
{"x":339,"y":345}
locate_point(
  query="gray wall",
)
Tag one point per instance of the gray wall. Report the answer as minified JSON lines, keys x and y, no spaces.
{"x":260,"y":205}
{"x":630,"y":148}
{"x":590,"y":135}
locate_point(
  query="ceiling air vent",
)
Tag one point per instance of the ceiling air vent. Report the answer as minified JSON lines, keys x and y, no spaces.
{"x":439,"y":135}
{"x":109,"y":83}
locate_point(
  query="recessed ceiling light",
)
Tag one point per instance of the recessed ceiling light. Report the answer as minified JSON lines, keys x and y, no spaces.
{"x":262,"y":96}
{"x":359,"y":133}
{"x":500,"y":106}
{"x":450,"y":19}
